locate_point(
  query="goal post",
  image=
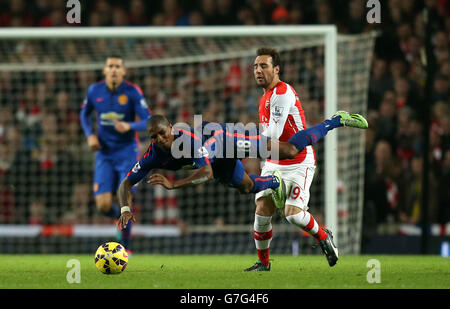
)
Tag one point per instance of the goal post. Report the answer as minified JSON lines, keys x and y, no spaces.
{"x":285,"y":38}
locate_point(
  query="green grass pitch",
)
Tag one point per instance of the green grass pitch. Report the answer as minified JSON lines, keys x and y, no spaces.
{"x":225,"y":272}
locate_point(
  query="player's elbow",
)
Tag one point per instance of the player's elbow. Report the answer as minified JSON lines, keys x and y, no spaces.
{"x":288,"y":151}
{"x":292,"y":151}
{"x":209,"y":172}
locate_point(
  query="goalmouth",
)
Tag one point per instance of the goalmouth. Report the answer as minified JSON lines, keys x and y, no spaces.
{"x":297,"y":38}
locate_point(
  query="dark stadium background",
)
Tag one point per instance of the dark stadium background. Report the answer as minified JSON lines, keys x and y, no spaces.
{"x":407,"y":122}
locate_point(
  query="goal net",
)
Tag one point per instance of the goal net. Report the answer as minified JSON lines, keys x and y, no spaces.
{"x":46,"y":200}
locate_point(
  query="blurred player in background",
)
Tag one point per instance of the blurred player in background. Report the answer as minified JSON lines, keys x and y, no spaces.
{"x":282,"y":115}
{"x":117,"y":104}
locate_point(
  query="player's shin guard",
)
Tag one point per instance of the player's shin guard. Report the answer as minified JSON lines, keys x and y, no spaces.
{"x":312,"y":135}
{"x":262,"y":183}
{"x":263,"y":236}
{"x":306,"y":221}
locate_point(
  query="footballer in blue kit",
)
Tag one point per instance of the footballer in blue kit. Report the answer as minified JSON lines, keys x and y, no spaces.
{"x":117,"y":104}
{"x":214,"y":150}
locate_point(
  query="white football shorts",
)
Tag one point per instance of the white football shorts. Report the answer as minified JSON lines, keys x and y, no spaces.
{"x":297,"y":179}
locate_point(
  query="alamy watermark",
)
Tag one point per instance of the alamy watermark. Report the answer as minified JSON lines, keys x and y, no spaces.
{"x":73,"y":16}
{"x":222,"y":141}
{"x":374,"y":274}
{"x":74,"y":274}
{"x":374,"y":14}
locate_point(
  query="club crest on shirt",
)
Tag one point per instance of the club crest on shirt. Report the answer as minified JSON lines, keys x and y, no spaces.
{"x":123,"y":99}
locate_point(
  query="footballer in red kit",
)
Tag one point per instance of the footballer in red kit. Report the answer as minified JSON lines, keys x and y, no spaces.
{"x":281,"y":116}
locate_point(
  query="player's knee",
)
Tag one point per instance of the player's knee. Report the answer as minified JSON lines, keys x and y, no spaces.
{"x":265,"y":206}
{"x":104,"y":204}
{"x":103,"y":207}
{"x":291,"y":211}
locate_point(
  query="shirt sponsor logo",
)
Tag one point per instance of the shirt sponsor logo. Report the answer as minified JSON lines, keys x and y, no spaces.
{"x":108,"y":119}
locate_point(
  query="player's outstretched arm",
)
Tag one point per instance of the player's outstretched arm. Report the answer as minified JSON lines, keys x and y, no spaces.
{"x":125,"y":200}
{"x":203,"y":174}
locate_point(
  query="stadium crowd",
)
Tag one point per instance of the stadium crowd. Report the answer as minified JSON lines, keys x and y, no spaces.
{"x":394,"y":141}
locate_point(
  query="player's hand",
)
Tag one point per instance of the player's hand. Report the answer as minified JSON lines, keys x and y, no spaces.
{"x":157,"y":179}
{"x":124,"y":218}
{"x":122,"y":126}
{"x":94,"y":143}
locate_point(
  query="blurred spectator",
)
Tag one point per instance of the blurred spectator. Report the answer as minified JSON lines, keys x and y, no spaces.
{"x":380,"y":82}
{"x":208,"y":8}
{"x":246,"y":16}
{"x":196,"y":18}
{"x":386,"y":122}
{"x":380,"y":180}
{"x":138,"y":13}
{"x":441,"y":89}
{"x":404,"y":94}
{"x":296,"y":16}
{"x":410,"y":199}
{"x":103,"y":8}
{"x":226,"y":14}
{"x":356,"y":21}
{"x":17,"y":15}
{"x":119,"y":17}
{"x":280,"y":15}
{"x":324,"y":12}
{"x":171,"y":11}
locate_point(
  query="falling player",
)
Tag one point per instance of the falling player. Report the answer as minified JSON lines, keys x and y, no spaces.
{"x":117,"y":102}
{"x":204,"y":150}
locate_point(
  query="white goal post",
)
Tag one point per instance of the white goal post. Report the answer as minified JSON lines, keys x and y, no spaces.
{"x":330,"y":43}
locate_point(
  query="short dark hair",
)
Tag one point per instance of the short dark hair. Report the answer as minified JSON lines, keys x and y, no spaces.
{"x":156,"y":120}
{"x":272,"y":52}
{"x":115,"y":56}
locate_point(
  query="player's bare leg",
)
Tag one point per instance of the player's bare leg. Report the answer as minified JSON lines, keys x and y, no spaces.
{"x":304,"y":220}
{"x":104,"y":202}
{"x":265,"y":208}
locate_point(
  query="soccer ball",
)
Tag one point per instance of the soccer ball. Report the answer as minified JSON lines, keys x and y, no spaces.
{"x":111,"y":258}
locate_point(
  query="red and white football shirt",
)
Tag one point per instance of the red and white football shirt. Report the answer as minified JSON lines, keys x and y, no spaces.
{"x":281,"y":115}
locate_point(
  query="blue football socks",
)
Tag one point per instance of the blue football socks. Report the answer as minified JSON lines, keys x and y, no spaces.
{"x":312,"y":135}
{"x":262,"y":183}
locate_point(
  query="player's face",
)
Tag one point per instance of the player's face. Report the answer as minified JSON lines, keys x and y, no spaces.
{"x":162,"y":135}
{"x":264,"y":71}
{"x":114,"y":70}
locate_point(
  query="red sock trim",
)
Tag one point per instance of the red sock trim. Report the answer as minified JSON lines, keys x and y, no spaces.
{"x":262,"y":235}
{"x":263,"y":255}
{"x":310,"y":224}
{"x":321,"y":234}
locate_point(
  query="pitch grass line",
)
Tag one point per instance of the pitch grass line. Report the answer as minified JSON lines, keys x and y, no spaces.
{"x":225,"y":272}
